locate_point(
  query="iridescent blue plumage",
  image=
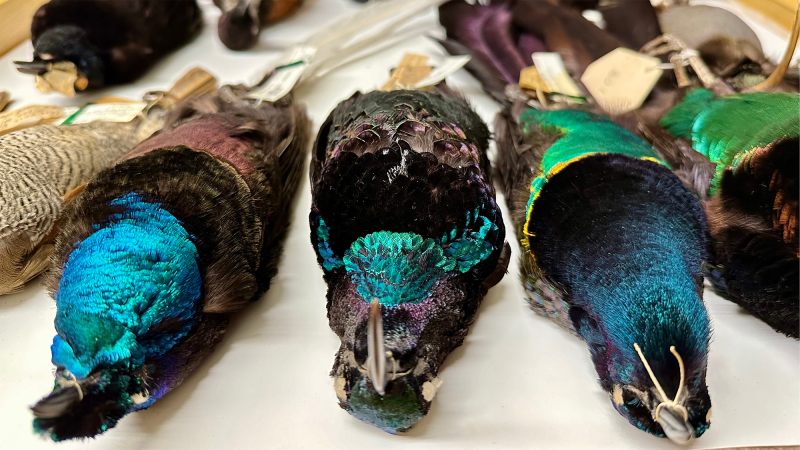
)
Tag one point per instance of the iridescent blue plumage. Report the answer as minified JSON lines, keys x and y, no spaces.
{"x":158,"y":252}
{"x":144,"y":271}
{"x":613,"y":249}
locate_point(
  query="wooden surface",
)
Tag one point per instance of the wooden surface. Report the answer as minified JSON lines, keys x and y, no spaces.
{"x":15,"y":21}
{"x":780,"y":11}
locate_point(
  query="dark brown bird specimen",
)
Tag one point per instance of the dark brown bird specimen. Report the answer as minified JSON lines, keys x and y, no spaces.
{"x":96,"y":43}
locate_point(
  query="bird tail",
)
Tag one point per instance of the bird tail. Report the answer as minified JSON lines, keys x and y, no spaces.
{"x":680,"y":120}
{"x":486,"y":33}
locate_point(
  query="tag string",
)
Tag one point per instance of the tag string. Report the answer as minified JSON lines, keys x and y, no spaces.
{"x":674,"y":402}
{"x":72,"y":381}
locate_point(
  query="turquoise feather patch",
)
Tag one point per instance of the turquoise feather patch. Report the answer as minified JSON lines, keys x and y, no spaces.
{"x":134,"y":272}
{"x":401,"y":268}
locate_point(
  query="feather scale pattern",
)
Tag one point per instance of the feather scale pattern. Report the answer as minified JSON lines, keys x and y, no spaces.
{"x":403,"y":213}
{"x":159,"y":251}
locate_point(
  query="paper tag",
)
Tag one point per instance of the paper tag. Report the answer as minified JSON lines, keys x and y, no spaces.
{"x":29,"y":116}
{"x":621,"y":80}
{"x":448,"y":66}
{"x":289,"y":69}
{"x":411,"y":70}
{"x":106,"y":112}
{"x":529,"y":78}
{"x":61,"y":78}
{"x":551,"y":69}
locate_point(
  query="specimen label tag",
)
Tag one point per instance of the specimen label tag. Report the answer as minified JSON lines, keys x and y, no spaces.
{"x":447,"y":67}
{"x":290,"y":68}
{"x":551,"y":69}
{"x":29,"y":116}
{"x":411,"y":70}
{"x":60,"y":78}
{"x":529,"y":78}
{"x":621,"y":80}
{"x":106,"y":112}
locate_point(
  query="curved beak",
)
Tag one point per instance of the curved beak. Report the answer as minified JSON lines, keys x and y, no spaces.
{"x":33,"y":67}
{"x":377,"y":368}
{"x":677,"y":429}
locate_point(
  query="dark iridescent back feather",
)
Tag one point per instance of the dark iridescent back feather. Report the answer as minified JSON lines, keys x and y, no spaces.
{"x":403,"y":213}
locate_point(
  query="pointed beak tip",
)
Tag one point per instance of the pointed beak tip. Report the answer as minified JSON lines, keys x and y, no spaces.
{"x":31,"y":67}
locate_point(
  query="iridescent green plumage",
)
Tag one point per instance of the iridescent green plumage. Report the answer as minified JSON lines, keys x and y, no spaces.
{"x":753,"y":196}
{"x":721,"y":128}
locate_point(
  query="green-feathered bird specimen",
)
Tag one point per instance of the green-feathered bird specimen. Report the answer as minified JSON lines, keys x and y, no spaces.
{"x":612,"y":245}
{"x":752,"y":141}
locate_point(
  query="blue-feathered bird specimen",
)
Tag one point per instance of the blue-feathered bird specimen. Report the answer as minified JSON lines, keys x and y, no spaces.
{"x":109,"y":41}
{"x":409,"y":236}
{"x":241,"y":20}
{"x":158,"y":252}
{"x":751,"y":141}
{"x":612,"y":244}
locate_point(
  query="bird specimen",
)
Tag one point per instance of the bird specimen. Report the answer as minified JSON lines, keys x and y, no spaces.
{"x":751,"y":141}
{"x":159,"y":251}
{"x":612,"y":244}
{"x":88,"y":44}
{"x":241,"y":20}
{"x":409,"y":236}
{"x":499,"y":50}
{"x":40,"y":166}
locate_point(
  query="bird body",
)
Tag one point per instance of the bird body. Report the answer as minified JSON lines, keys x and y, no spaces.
{"x":752,"y":139}
{"x":612,"y":245}
{"x":40,"y":165}
{"x":409,"y":236}
{"x":109,"y":42}
{"x":159,"y":251}
{"x":241,"y":20}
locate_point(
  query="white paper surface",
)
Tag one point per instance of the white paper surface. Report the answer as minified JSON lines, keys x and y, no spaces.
{"x":518,"y":381}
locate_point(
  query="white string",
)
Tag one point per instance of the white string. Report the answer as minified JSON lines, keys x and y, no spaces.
{"x":665,"y":402}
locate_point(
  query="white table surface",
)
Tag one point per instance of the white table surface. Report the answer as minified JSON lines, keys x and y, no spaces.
{"x":518,"y":381}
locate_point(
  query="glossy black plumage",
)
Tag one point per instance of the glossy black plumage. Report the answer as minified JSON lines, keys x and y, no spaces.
{"x":110,"y":41}
{"x":400,"y":182}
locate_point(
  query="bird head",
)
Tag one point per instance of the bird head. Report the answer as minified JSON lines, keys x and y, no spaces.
{"x":239,"y":27}
{"x":655,"y":368}
{"x":127,"y":295}
{"x":66,"y":49}
{"x":400,"y":305}
{"x":660,"y":397}
{"x":86,"y":407}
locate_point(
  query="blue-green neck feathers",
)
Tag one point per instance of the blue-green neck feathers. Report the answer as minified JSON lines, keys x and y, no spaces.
{"x":135,"y":271}
{"x":402,"y":267}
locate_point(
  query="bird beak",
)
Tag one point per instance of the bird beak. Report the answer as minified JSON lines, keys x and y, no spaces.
{"x":33,"y":67}
{"x":678,"y":430}
{"x":377,"y":368}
